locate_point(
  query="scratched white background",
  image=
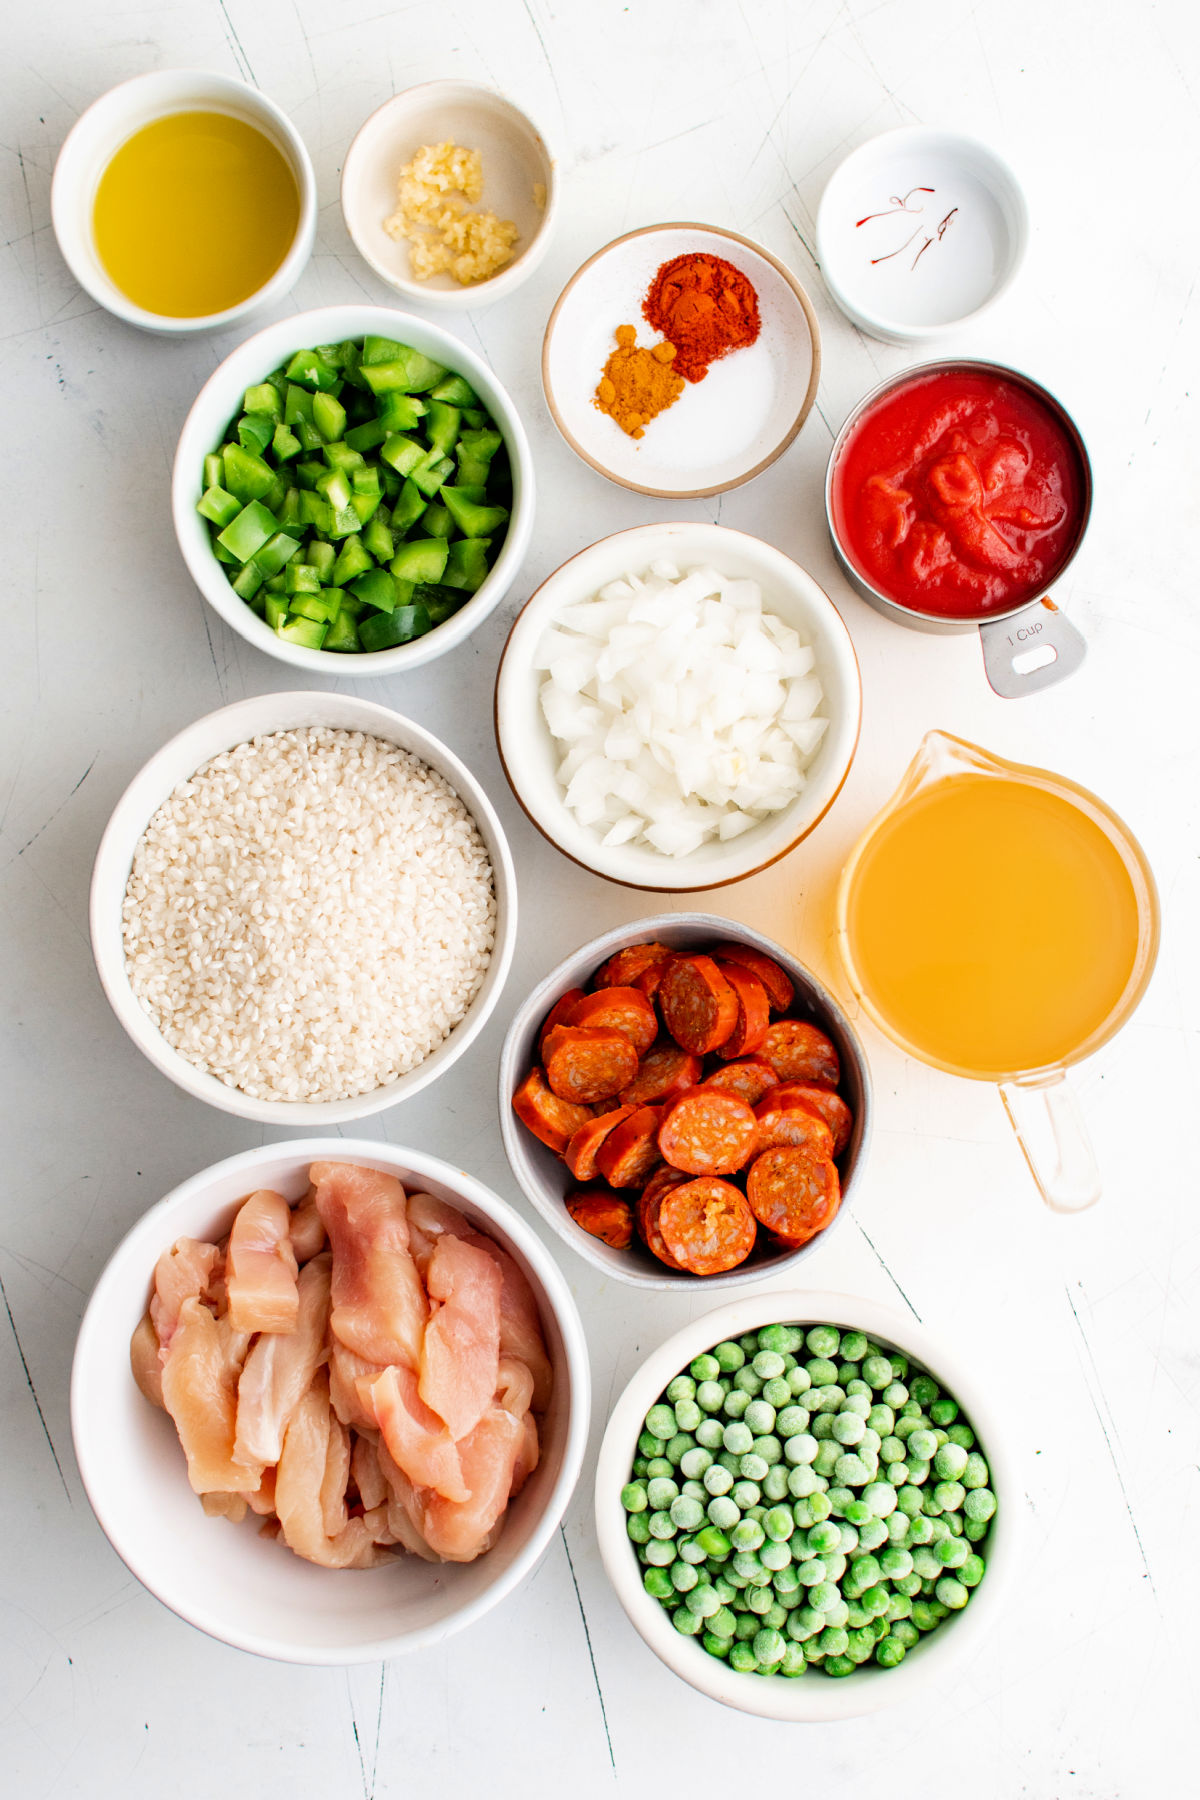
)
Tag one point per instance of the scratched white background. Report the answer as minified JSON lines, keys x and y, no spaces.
{"x":734,"y":113}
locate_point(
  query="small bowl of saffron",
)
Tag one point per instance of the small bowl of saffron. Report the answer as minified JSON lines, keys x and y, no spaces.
{"x":183,"y":201}
{"x":681,"y":360}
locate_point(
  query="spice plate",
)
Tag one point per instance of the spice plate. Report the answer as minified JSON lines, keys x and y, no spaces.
{"x":722,"y":430}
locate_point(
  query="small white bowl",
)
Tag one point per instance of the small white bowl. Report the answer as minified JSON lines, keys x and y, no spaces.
{"x":176,"y":762}
{"x":919,"y":231}
{"x":220,"y":400}
{"x":515,"y":159}
{"x":108,"y":123}
{"x":721,"y":431}
{"x":545,"y":1179}
{"x":530,"y":757}
{"x":227,"y":1580}
{"x":812,"y":1698}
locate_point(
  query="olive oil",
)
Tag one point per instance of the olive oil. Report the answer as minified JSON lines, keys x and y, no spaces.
{"x":195,"y":213}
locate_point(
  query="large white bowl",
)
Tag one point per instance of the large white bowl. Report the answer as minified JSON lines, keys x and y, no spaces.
{"x":812,"y":1698}
{"x":220,"y":400}
{"x":544,"y":1176}
{"x":515,"y":159}
{"x":108,"y":123}
{"x":227,"y":1580}
{"x":176,"y":762}
{"x":531,"y":758}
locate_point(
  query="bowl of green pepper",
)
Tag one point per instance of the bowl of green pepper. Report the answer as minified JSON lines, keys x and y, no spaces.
{"x":353,"y":486}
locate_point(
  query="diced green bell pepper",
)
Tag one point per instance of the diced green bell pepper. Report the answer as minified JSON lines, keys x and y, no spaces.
{"x":375,"y":588}
{"x":289,"y":513}
{"x":298,"y":404}
{"x":278,"y":550}
{"x":247,"y":477}
{"x":467,"y":564}
{"x":221,"y":507}
{"x":339,"y":455}
{"x":364,"y":506}
{"x":308,"y":368}
{"x":441,"y":426}
{"x":315,"y":512}
{"x":323,"y":607}
{"x":329,"y":417}
{"x":264,"y":397}
{"x":455,"y":391}
{"x":249,"y":531}
{"x":368,"y":436}
{"x":383,"y":631}
{"x":409,"y":372}
{"x":255,"y":431}
{"x":379,"y":541}
{"x":420,"y":559}
{"x":438,"y":600}
{"x":342,"y":634}
{"x":403,"y":453}
{"x":334,"y":486}
{"x":302,"y":578}
{"x":436,"y":522}
{"x":308,"y":632}
{"x":321,"y":557}
{"x":472,"y":519}
{"x":352,"y":560}
{"x":212,"y":469}
{"x":276,"y":611}
{"x":431,"y":472}
{"x":284,"y":443}
{"x":247,"y":581}
{"x":401,"y":412}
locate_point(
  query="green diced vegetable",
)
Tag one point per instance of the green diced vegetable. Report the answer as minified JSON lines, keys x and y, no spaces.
{"x":212,"y":469}
{"x":352,"y":560}
{"x":442,"y":426}
{"x":379,"y":350}
{"x":420,"y":559}
{"x":379,"y":541}
{"x":223,"y":555}
{"x":316,"y":512}
{"x":323,"y":606}
{"x":309,"y":472}
{"x":322,"y":557}
{"x":221,"y":507}
{"x":431,"y":472}
{"x":278,"y":549}
{"x":247,"y":581}
{"x":276,"y":494}
{"x":454,"y":390}
{"x":289,"y":513}
{"x":298,"y":404}
{"x":345,"y":522}
{"x":438,"y":600}
{"x":246,"y":477}
{"x":302,"y":578}
{"x":474,"y":418}
{"x":334,"y":485}
{"x":467,"y":564}
{"x":264,"y":397}
{"x":340,"y":455}
{"x":249,"y":531}
{"x":401,"y":412}
{"x":308,"y":632}
{"x":409,"y":507}
{"x":342,"y":634}
{"x":472,"y":473}
{"x":255,"y":432}
{"x":366,"y":480}
{"x":351,"y":353}
{"x":310,"y":438}
{"x":382,"y":631}
{"x":410,"y":373}
{"x":481,"y":445}
{"x":403,"y":453}
{"x":436,"y":522}
{"x":472,"y":519}
{"x":375,"y":588}
{"x":276,"y":611}
{"x":475,"y":492}
{"x":285,"y":443}
{"x":329,"y":417}
{"x":368,"y":436}
{"x":364,"y":506}
{"x":308,"y":368}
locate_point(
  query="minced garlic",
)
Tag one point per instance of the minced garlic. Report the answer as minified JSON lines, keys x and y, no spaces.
{"x":433,"y":194}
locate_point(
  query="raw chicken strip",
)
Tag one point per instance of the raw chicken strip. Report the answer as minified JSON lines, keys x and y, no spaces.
{"x":144,"y":1359}
{"x":460,"y":1355}
{"x":528,"y":1456}
{"x":260,"y":1265}
{"x":298,"y":1485}
{"x":224,"y":1506}
{"x":262,"y":1500}
{"x":183,"y":1272}
{"x":428,"y":1220}
{"x":345,"y":1370}
{"x":379,"y":1304}
{"x":520,"y":1322}
{"x":417,"y":1440}
{"x":280,"y":1368}
{"x":199,"y":1384}
{"x":308,"y":1230}
{"x":334,"y":1512}
{"x":367,"y":1475}
{"x":514,"y":1386}
{"x":459,"y":1531}
{"x":405,"y":1508}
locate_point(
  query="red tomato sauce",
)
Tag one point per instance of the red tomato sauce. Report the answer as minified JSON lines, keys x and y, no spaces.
{"x":959,"y":493}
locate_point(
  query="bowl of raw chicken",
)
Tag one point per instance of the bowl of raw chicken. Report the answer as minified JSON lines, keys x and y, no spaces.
{"x":330,"y":1400}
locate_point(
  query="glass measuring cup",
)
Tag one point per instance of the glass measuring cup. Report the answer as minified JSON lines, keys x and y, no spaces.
{"x":1001,"y":922}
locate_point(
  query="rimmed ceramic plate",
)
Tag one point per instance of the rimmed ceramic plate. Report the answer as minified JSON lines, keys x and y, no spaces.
{"x":722,"y":431}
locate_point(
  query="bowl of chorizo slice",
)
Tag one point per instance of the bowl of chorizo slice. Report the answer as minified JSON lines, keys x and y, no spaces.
{"x":683,"y":1100}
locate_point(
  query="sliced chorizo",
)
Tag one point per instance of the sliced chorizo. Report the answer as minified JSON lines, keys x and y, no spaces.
{"x":798,"y":1051}
{"x":792,"y":1193}
{"x":628,"y":966}
{"x":707,"y":1225}
{"x":777,"y":981}
{"x":831,"y":1106}
{"x":558,"y":1015}
{"x":623,"y":1009}
{"x":585,"y":1065}
{"x":750,"y":1078}
{"x":754,"y":1011}
{"x":552,"y":1120}
{"x":604,"y":1216}
{"x":629,"y":1154}
{"x":646,"y":1212}
{"x":699,"y":1008}
{"x":666,"y":1071}
{"x":580,"y":1154}
{"x":705,"y":1132}
{"x":784,"y":1122}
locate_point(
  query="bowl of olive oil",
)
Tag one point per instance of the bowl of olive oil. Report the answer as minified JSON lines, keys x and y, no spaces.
{"x":183,"y":200}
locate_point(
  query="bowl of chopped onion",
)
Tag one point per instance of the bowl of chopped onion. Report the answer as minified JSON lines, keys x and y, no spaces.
{"x":678,"y":706}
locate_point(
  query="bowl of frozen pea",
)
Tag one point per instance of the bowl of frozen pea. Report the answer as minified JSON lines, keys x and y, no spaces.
{"x":806,"y":1506}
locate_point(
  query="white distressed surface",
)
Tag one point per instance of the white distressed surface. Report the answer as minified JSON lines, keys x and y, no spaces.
{"x":734,"y":113}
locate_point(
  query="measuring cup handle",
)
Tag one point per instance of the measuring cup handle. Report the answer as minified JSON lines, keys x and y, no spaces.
{"x":1030,"y":650}
{"x":1049,"y":1125}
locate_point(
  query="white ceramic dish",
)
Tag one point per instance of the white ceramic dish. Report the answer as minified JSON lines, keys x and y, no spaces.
{"x":721,"y":431}
{"x":814,"y":1698}
{"x":179,"y":759}
{"x":99,"y":133}
{"x":546,"y":1181}
{"x":531,"y":758}
{"x":918,"y":231}
{"x":219,"y":400}
{"x":224,"y":1578}
{"x":515,"y":160}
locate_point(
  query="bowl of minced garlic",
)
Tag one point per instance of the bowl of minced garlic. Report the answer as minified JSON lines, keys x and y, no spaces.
{"x":448,"y":192}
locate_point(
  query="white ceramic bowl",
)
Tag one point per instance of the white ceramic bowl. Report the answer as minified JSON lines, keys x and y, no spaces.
{"x":515,"y":159}
{"x":721,"y":431}
{"x":179,"y":759}
{"x":919,"y":231}
{"x":813,"y":1698}
{"x":546,"y":1180}
{"x":227,"y":1580}
{"x":220,"y":399}
{"x":531,"y":758}
{"x":99,"y":133}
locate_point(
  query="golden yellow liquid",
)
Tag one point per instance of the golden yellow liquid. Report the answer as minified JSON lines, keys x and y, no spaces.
{"x":194,"y":213}
{"x":993,"y":925}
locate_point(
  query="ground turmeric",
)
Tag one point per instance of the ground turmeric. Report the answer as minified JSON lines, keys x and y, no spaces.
{"x":638,"y":382}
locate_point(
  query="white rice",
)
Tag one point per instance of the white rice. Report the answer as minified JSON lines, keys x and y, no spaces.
{"x":310,"y":915}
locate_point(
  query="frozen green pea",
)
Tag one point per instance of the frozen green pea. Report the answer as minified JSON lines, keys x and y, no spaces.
{"x":920,"y":1531}
{"x":891,"y":1450}
{"x":802,"y":1481}
{"x":769,"y":1447}
{"x":924,"y":1389}
{"x":860,"y":1644}
{"x":839,"y":1499}
{"x":918,"y":1474}
{"x":951,"y":1592}
{"x":704,"y":1367}
{"x":880,"y":1496}
{"x":848,"y":1428}
{"x":926,"y":1563}
{"x":689,"y":1624}
{"x":747,"y":1534}
{"x":747,"y":1382}
{"x":877,"y":1371}
{"x":897,"y":1473}
{"x":775,"y":1556}
{"x":905,"y":1426}
{"x":660,"y":1551}
{"x":768,"y":1364}
{"x":971,"y":1572}
{"x":922,"y":1445}
{"x":823,"y":1340}
{"x":950,"y":1495}
{"x":684,"y":1576}
{"x":810,"y":1572}
{"x":975,"y":1474}
{"x":838,"y":1666}
{"x":775,"y":1482}
{"x":835,"y":1565}
{"x":890,"y":1653}
{"x":794,"y":1661}
{"x":678,"y":1447}
{"x":944,"y":1411}
{"x":960,"y":1433}
{"x":717,"y":1480}
{"x":827,"y":1398}
{"x":904,"y":1632}
{"x":894,"y":1394}
{"x":660,"y":1422}
{"x":850,"y":1470}
{"x":745,"y":1494}
{"x":734,"y":1404}
{"x":710,"y":1435}
{"x":716,"y":1646}
{"x":723,"y":1512}
{"x":638,"y":1528}
{"x":687,"y":1415}
{"x":895,"y":1562}
{"x":975,"y":1530}
{"x":847,"y":1371}
{"x":952,"y":1552}
{"x":769,"y":1646}
{"x":827,"y":1457}
{"x":776,"y":1392}
{"x":950,"y":1461}
{"x":661,"y":1491}
{"x":804,"y":1624}
{"x":833,"y":1641}
{"x":658,"y":1583}
{"x":696,"y":1462}
{"x":875,"y":1600}
{"x":682,"y":1388}
{"x":873,"y":1534}
{"x":713,"y":1541}
{"x":822,"y":1537}
{"x":786,"y":1339}
{"x":728,"y":1357}
{"x":868,"y":1445}
{"x":824,"y":1596}
{"x":818,"y":1506}
{"x":820,"y":1425}
{"x":662,"y":1525}
{"x":724,"y":1589}
{"x":853,"y":1346}
{"x":858,"y":1404}
{"x":881,"y":1420}
{"x":695,"y":1490}
{"x":743,"y":1659}
{"x":897,"y":1528}
{"x":909,"y":1500}
{"x":753,"y":1467}
{"x":799,"y":1380}
{"x":640,"y":1466}
{"x":908,"y":1585}
{"x":658,"y":1468}
{"x":702,"y":1601}
{"x":925,"y":1615}
{"x":779,"y":1524}
{"x":738,"y":1437}
{"x":710,"y":1398}
{"x":979,"y":1504}
{"x":686,"y":1514}
{"x":759,"y":1599}
{"x":633,"y":1497}
{"x":786,"y":1583}
{"x":821,"y":1370}
{"x":857,"y":1514}
{"x":649,"y":1445}
{"x":848,"y":1542}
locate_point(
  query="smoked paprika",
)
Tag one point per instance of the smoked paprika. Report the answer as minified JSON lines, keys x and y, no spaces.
{"x":705,"y":307}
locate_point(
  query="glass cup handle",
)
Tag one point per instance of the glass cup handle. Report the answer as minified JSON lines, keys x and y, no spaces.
{"x":1045,"y":1115}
